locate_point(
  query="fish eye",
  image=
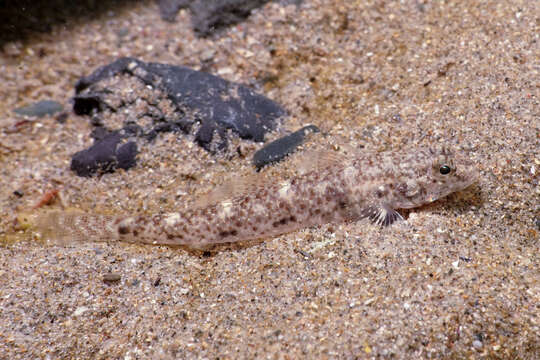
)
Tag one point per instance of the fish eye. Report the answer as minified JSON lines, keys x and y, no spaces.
{"x":445,"y":169}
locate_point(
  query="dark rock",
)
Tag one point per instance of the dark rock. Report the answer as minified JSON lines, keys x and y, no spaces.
{"x":23,"y":20}
{"x":101,"y":73}
{"x":169,"y":8}
{"x":211,"y":15}
{"x":87,"y":102}
{"x":125,"y":155}
{"x":99,"y":133}
{"x":62,"y":117}
{"x":105,"y":155}
{"x":164,"y":127}
{"x":40,"y":109}
{"x":216,"y":104}
{"x":131,"y":130}
{"x":280,"y":148}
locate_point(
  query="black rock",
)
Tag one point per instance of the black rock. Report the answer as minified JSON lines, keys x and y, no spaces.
{"x":87,"y":102}
{"x":169,"y":8}
{"x":217,"y":104}
{"x":105,"y":155}
{"x":280,"y":148}
{"x":40,"y":109}
{"x":99,"y":133}
{"x":62,"y":117}
{"x":104,"y":72}
{"x":209,"y":16}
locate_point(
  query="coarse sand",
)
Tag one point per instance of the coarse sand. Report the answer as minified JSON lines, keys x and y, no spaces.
{"x":458,"y":279}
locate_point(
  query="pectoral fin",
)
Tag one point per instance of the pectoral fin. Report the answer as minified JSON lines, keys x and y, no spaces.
{"x":382,"y":215}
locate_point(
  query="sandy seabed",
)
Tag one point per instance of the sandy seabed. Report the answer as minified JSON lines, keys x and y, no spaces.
{"x":458,"y":279}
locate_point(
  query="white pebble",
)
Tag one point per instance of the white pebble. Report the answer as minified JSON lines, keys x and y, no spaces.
{"x":80,"y":310}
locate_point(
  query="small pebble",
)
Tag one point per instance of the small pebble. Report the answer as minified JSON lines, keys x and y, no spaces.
{"x":62,"y":117}
{"x":80,"y":310}
{"x":111,"y":278}
{"x":40,"y":109}
{"x":477,"y":344}
{"x":207,"y":55}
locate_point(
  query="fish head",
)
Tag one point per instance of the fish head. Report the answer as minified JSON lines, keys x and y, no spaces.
{"x":431,"y":174}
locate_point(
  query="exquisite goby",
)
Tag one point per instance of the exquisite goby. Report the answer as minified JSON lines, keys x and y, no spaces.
{"x":372,"y":185}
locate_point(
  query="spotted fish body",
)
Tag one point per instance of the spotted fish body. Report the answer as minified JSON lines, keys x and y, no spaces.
{"x":371,"y":185}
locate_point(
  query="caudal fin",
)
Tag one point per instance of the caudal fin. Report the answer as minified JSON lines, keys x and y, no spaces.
{"x":66,"y":226}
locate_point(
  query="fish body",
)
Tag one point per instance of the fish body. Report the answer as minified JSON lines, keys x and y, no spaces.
{"x":372,"y":185}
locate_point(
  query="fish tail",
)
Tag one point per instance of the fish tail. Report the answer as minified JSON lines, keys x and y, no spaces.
{"x":70,"y":226}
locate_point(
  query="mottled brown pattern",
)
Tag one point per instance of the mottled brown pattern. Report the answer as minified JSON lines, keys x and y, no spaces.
{"x":370,"y":185}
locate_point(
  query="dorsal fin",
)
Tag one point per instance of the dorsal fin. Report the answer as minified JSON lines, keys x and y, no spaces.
{"x":318,"y":159}
{"x":232,"y":188}
{"x":302,"y":163}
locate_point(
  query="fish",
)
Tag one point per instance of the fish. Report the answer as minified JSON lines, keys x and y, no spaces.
{"x":373,"y":185}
